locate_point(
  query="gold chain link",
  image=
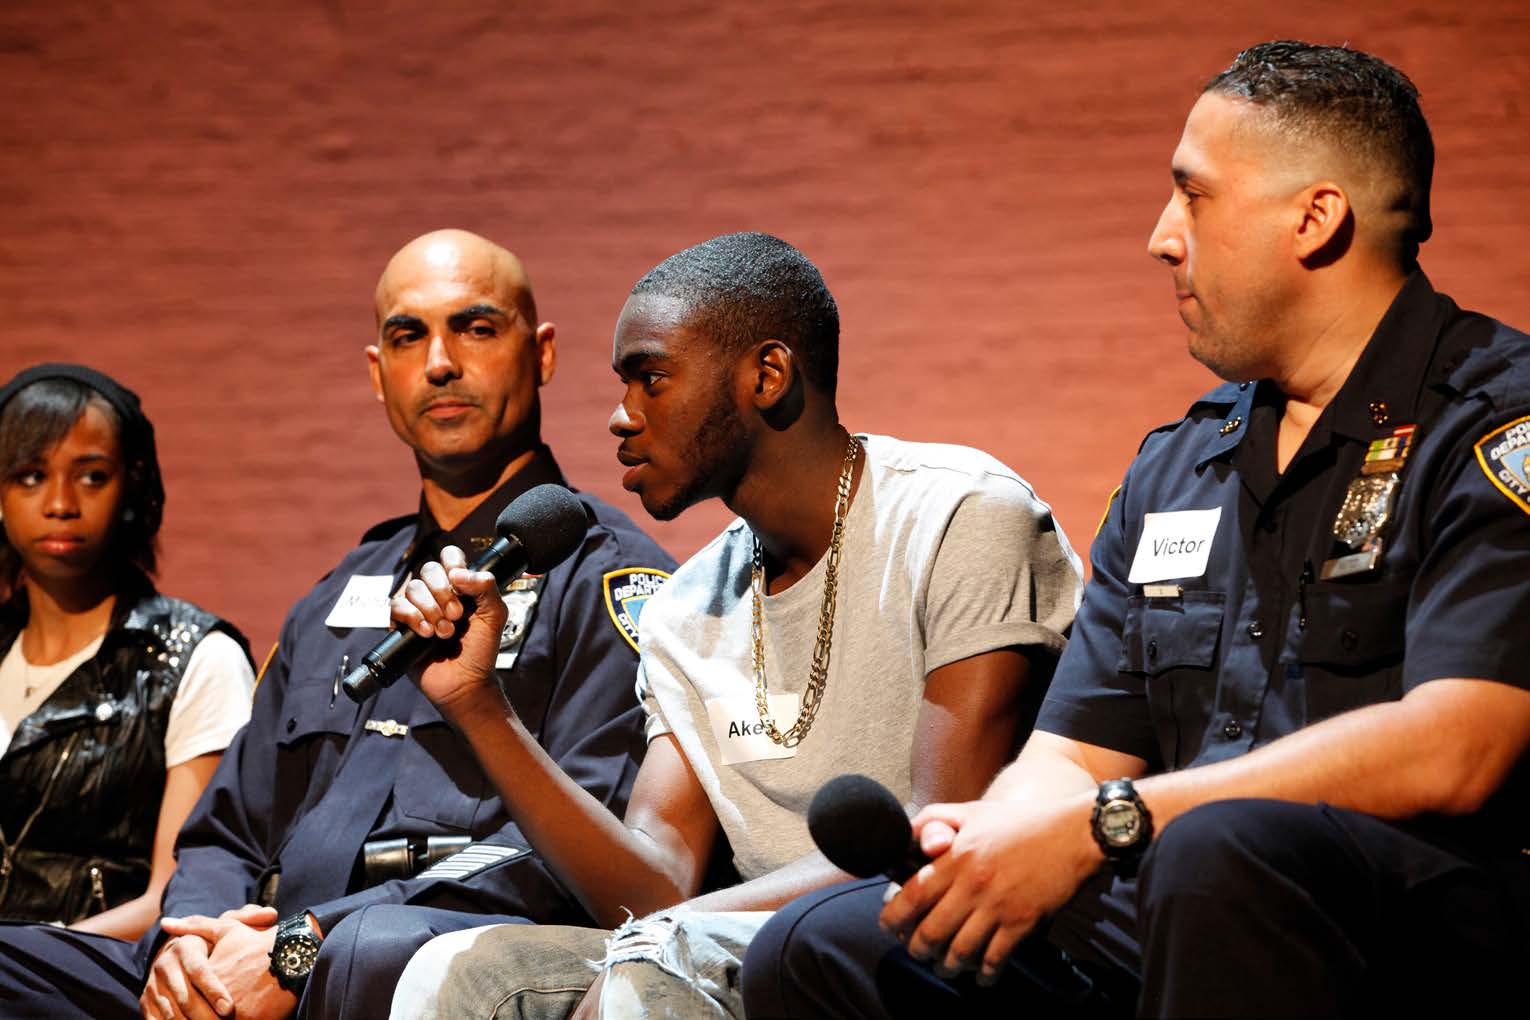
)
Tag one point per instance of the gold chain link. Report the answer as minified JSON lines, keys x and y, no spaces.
{"x":818,"y":675}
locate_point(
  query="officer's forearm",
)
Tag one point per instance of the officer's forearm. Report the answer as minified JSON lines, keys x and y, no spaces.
{"x":605,"y":864}
{"x":1444,"y":749}
{"x":1051,"y":767}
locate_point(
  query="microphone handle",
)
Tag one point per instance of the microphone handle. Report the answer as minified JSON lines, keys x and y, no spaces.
{"x":913,"y":859}
{"x":401,"y":650}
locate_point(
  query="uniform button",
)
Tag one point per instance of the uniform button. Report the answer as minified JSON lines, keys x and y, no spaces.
{"x":1232,"y":731}
{"x":1152,"y":650}
{"x":1349,"y":639}
{"x":1256,"y":630}
{"x":291,"y":725}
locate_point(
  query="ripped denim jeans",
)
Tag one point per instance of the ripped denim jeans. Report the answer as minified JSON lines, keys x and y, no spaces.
{"x":675,"y":965}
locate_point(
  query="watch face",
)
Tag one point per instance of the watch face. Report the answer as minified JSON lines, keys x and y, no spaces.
{"x":1120,"y":823}
{"x":295,"y":957}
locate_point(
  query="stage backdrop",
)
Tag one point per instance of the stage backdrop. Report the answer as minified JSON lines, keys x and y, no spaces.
{"x":198,"y":198}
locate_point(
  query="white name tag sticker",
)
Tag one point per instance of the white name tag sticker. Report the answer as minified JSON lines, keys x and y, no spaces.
{"x":1174,"y":544}
{"x":363,"y":603}
{"x":740,"y":734}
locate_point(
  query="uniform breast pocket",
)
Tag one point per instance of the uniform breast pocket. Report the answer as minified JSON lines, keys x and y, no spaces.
{"x":311,"y":735}
{"x":1172,"y":644}
{"x":311,"y":710}
{"x":1351,"y":650}
{"x":438,"y":780}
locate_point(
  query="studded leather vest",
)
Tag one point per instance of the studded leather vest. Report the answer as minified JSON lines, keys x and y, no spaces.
{"x":81,"y":783}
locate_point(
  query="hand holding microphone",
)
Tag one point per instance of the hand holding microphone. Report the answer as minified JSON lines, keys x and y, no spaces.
{"x":861,"y":828}
{"x":454,"y":600}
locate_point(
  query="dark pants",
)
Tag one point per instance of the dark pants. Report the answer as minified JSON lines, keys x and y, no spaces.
{"x":361,"y":959}
{"x":1244,"y":908}
{"x":50,"y":973}
{"x":823,"y":957}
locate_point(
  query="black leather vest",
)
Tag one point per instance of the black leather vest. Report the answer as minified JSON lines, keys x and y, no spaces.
{"x":82,"y":780}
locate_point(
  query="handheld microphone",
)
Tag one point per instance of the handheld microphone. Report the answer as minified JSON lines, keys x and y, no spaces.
{"x":861,"y":828}
{"x":536,"y":532}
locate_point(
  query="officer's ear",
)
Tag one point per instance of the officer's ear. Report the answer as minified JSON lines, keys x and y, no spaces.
{"x":375,"y":369}
{"x":545,"y":339}
{"x":1325,"y":223}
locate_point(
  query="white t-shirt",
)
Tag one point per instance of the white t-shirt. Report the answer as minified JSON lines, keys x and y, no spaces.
{"x":947,"y":554}
{"x":211,"y":703}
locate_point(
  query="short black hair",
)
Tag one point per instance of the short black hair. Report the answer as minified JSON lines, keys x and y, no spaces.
{"x":1356,"y":101}
{"x":746,"y":287}
{"x":40,"y":414}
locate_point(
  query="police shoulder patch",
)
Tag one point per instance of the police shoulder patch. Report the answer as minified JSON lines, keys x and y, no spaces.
{"x":626,"y":591}
{"x":1504,"y":454}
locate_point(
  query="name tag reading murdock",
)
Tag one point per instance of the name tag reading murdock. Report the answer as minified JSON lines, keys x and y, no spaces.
{"x":740,"y":734}
{"x":1174,"y":544}
{"x":363,"y":603}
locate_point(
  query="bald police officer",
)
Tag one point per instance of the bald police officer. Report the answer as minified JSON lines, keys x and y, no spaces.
{"x":283,"y":900}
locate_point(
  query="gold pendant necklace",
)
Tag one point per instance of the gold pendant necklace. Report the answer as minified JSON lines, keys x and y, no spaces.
{"x":819,"y":673}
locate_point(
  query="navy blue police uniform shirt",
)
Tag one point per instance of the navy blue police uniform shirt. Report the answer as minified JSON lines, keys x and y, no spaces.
{"x":571,"y":683}
{"x":1208,"y":627}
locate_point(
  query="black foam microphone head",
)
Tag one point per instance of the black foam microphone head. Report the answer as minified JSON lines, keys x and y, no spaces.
{"x":859,"y":825}
{"x":548,"y":521}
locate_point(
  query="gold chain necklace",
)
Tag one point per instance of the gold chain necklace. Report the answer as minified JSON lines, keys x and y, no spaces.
{"x":819,"y":673}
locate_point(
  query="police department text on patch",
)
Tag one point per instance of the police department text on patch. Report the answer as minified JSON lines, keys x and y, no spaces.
{"x":1504,"y":455}
{"x":626,"y":591}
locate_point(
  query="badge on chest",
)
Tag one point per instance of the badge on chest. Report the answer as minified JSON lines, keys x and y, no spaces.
{"x":1367,"y":506}
{"x":521,"y":597}
{"x":739,"y":733}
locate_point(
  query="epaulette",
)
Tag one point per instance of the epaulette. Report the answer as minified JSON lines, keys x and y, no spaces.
{"x":388,"y":528}
{"x":1218,"y":401}
{"x":1499,"y":366}
{"x":1223,"y":396}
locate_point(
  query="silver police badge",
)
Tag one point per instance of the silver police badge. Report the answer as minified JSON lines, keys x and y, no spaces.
{"x":520,"y":598}
{"x":1368,"y":504}
{"x":1366,"y":509}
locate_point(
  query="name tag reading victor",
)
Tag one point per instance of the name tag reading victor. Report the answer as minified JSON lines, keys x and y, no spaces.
{"x":1174,"y":544}
{"x":363,"y":603}
{"x":740,"y":734}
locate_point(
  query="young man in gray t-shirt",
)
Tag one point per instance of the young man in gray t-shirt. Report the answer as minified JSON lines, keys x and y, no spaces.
{"x":887,"y":602}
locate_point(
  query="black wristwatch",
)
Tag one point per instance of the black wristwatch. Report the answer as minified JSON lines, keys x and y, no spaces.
{"x":1121,"y":825}
{"x":294,"y":953}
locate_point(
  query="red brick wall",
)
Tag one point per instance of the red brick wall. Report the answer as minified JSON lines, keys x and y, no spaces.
{"x":199,"y":197}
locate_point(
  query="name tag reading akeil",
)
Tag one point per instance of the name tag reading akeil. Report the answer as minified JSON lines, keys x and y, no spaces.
{"x":740,"y":734}
{"x":363,"y":603}
{"x":1174,"y":544}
